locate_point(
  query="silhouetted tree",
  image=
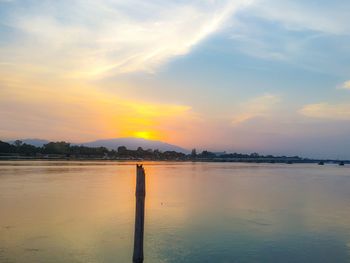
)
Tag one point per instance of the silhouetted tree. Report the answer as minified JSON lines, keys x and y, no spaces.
{"x":56,"y":148}
{"x":193,"y":153}
{"x":122,"y":150}
{"x":206,"y":154}
{"x":7,"y":148}
{"x":254,"y":155}
{"x":18,"y":143}
{"x":28,"y":149}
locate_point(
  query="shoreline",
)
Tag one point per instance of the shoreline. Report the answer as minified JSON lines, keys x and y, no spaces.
{"x":215,"y":160}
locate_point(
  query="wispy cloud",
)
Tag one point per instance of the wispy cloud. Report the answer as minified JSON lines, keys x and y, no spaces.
{"x":97,"y":37}
{"x":94,"y":38}
{"x":327,"y":17}
{"x":261,"y":106}
{"x":295,"y":32}
{"x":346,"y":85}
{"x":327,"y":111}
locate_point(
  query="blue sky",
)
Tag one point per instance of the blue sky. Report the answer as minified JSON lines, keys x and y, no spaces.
{"x":245,"y":75}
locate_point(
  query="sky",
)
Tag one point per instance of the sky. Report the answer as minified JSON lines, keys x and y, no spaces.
{"x":261,"y":76}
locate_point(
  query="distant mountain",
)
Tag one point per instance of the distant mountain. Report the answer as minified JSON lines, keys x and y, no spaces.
{"x":34,"y":142}
{"x":134,"y":143}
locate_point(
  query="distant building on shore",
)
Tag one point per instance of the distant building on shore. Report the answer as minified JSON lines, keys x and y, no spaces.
{"x":218,"y":154}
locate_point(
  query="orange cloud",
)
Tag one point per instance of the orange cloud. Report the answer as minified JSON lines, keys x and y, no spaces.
{"x":257,"y":107}
{"x":327,"y":111}
{"x":54,"y":109}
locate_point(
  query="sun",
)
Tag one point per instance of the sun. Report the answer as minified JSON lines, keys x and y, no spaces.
{"x":144,"y":135}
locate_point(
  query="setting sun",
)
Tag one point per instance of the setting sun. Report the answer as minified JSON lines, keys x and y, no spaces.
{"x":144,"y":135}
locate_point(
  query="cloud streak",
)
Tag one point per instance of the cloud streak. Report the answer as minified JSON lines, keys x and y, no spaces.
{"x":257,"y":107}
{"x":346,"y":85}
{"x":295,"y":32}
{"x":327,"y":111}
{"x":102,"y":37}
{"x":328,"y":16}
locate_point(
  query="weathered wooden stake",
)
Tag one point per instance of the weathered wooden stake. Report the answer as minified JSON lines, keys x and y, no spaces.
{"x":139,"y":215}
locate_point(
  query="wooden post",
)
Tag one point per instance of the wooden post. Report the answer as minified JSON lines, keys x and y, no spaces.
{"x":139,"y":215}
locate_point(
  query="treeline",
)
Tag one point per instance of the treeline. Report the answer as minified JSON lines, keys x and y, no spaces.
{"x":206,"y":155}
{"x":66,"y":150}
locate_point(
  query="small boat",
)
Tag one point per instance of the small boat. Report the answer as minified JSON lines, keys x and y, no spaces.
{"x":341,"y":164}
{"x":321,"y":163}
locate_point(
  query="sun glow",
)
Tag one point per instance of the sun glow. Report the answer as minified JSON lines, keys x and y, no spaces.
{"x":144,"y":135}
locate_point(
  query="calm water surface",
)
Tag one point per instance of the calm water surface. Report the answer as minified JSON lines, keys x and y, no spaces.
{"x":195,"y":212}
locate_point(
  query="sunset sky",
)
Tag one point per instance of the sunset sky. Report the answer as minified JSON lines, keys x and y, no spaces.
{"x":246,"y":75}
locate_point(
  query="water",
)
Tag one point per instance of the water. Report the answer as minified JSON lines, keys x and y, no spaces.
{"x":195,"y":212}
